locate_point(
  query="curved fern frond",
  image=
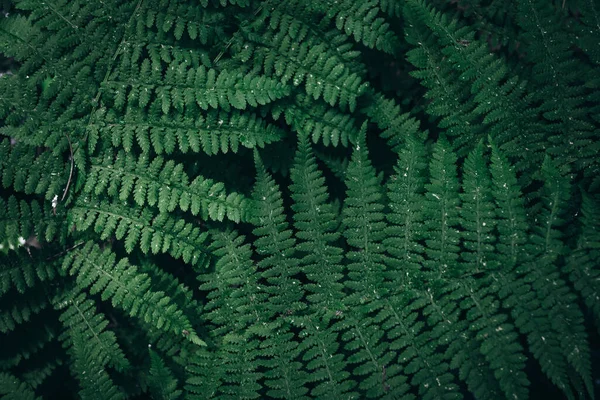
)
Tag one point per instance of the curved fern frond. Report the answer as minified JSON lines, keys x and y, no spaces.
{"x":448,"y":97}
{"x":101,"y":273}
{"x":36,"y":341}
{"x":561,"y":87}
{"x":322,"y":123}
{"x":500,"y":98}
{"x":38,"y":375}
{"x":183,"y":21}
{"x":362,"y":22}
{"x":290,"y":51}
{"x":395,"y":124}
{"x":163,"y":184}
{"x":160,"y":233}
{"x":178,"y":291}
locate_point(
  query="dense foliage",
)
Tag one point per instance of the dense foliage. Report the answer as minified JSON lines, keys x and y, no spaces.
{"x":243,"y":199}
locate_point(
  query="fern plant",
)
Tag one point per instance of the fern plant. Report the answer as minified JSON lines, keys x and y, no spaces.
{"x":244,"y":199}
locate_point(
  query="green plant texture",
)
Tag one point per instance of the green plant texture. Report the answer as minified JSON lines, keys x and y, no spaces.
{"x":299,"y":199}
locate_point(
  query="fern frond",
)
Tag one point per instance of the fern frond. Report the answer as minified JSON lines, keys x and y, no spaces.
{"x":132,"y":222}
{"x":93,"y":378}
{"x":441,"y":212}
{"x":478,"y":215}
{"x":448,"y":97}
{"x":82,"y":322}
{"x":511,"y":223}
{"x":14,"y":32}
{"x":204,"y":379}
{"x":22,"y":309}
{"x":321,"y":261}
{"x":337,"y":165}
{"x":163,"y":184}
{"x":496,"y":335}
{"x":395,"y":124}
{"x":561,"y":87}
{"x":405,"y":220}
{"x":127,"y":289}
{"x":292,"y":52}
{"x":278,"y":266}
{"x":183,"y":21}
{"x":401,"y":315}
{"x":178,"y":291}
{"x":364,"y":227}
{"x":364,"y":222}
{"x":20,"y":220}
{"x":299,"y":19}
{"x":555,"y":296}
{"x":316,"y":231}
{"x":464,"y":351}
{"x":449,"y":330}
{"x":24,"y":171}
{"x":162,"y":384}
{"x":22,"y":271}
{"x":324,"y":359}
{"x":159,"y":234}
{"x":499,"y":96}
{"x":515,"y":292}
{"x":489,"y":325}
{"x":236,"y":305}
{"x":34,"y":377}
{"x":185,"y":87}
{"x":26,"y":344}
{"x":322,"y":123}
{"x":416,"y":346}
{"x":590,"y":30}
{"x":12,"y":388}
{"x":582,"y":264}
{"x":275,"y":245}
{"x":361,"y":21}
{"x":236,"y":297}
{"x":213,"y":132}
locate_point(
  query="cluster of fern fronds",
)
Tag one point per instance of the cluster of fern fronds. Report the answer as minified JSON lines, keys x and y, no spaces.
{"x":349,"y":199}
